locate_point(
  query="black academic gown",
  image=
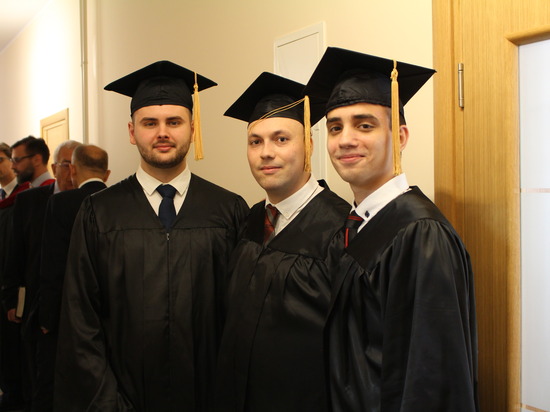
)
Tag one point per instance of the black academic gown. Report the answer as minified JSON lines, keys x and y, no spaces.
{"x":402,"y":330}
{"x":23,"y":268}
{"x":271,"y":357}
{"x":61,"y":212}
{"x":140,"y":318}
{"x":10,"y":332}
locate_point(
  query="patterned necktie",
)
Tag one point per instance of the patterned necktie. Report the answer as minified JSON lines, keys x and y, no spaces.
{"x":167,"y":211}
{"x":271,"y":215}
{"x":2,"y":194}
{"x":352,"y":224}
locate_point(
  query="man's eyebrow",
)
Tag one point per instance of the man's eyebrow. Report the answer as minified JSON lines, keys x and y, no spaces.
{"x":360,"y":116}
{"x":271,"y":133}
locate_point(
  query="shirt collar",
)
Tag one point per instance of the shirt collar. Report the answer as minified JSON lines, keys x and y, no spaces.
{"x":382,"y":196}
{"x":150,"y":184}
{"x":292,"y":203}
{"x":41,"y":179}
{"x":92,"y":179}
{"x":10,"y":186}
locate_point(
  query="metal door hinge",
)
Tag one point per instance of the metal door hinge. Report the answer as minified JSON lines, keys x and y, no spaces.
{"x":461,"y":85}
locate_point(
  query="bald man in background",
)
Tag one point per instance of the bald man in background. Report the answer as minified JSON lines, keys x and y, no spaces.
{"x":89,"y":172}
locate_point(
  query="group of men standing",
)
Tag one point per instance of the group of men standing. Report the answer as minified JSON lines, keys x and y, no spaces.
{"x":37,"y":212}
{"x":178,"y":297}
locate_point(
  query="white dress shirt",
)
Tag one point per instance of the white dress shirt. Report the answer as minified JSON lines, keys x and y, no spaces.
{"x":381,"y":197}
{"x":293,"y":205}
{"x":91,"y":179}
{"x":41,"y":179}
{"x":150,"y":184}
{"x":9,"y":187}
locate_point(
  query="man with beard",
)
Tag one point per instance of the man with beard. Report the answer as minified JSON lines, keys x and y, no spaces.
{"x":141,"y":311}
{"x":23,"y":270}
{"x":30,"y":157}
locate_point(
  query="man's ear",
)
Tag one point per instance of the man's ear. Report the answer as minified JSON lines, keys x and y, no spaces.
{"x":131,"y":132}
{"x":403,"y":136}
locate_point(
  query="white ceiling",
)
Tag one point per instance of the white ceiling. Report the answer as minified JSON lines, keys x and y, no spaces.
{"x":14,"y":16}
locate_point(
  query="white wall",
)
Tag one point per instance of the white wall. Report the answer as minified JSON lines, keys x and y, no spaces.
{"x":40,"y":73}
{"x":231,"y":42}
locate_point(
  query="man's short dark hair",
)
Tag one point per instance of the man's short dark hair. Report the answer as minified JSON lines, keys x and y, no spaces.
{"x":34,"y":146}
{"x":4,"y":148}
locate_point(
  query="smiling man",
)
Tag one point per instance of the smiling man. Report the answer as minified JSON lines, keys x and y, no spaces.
{"x":140,"y":319}
{"x":271,"y":358}
{"x":402,"y":329}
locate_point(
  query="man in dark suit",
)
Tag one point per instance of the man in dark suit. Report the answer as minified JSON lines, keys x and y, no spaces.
{"x":29,"y":160}
{"x":89,"y":171}
{"x":10,"y":332}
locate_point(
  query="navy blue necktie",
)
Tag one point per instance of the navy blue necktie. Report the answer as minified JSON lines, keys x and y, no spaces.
{"x":167,"y":211}
{"x":2,"y":194}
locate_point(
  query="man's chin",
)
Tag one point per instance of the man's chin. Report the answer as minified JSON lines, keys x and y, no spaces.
{"x":22,"y":179}
{"x":165,"y":163}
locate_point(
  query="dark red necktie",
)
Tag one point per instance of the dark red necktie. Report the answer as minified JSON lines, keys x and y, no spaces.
{"x":271,"y":215}
{"x":352,"y":224}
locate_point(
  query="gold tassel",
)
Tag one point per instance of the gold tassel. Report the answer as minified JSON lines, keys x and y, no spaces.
{"x":307,"y":135}
{"x":197,"y":133}
{"x":395,"y":121}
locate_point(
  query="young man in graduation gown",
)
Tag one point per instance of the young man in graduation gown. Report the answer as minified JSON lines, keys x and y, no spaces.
{"x":140,"y":319}
{"x":271,"y":357}
{"x":402,"y":329}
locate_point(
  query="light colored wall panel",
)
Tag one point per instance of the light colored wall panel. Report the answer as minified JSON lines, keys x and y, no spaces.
{"x":228,"y":41}
{"x":40,"y":73}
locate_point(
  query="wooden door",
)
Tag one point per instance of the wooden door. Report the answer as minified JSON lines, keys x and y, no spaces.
{"x":477,"y":167}
{"x":54,"y":130}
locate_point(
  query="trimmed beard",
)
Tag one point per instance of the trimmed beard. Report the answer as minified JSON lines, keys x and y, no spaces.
{"x":152,"y":160}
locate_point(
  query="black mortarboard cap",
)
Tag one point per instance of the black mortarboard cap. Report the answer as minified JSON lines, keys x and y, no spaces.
{"x":269,"y":96}
{"x":160,"y":83}
{"x":344,"y":77}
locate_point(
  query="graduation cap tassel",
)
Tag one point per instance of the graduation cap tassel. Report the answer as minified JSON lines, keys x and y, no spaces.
{"x":395,"y":121}
{"x":307,"y":135}
{"x":197,"y":133}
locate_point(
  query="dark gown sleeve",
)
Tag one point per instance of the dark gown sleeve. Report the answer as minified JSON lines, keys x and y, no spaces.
{"x":13,"y":276}
{"x":429,"y":331}
{"x":84,"y":380}
{"x":55,"y":243}
{"x":403,"y":333}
